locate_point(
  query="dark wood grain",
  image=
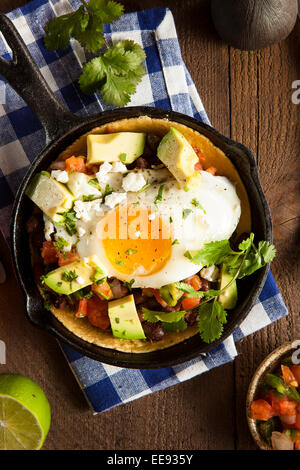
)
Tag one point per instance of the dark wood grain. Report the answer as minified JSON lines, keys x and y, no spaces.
{"x":248,"y":97}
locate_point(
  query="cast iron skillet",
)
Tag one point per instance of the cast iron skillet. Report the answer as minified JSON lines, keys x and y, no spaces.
{"x":62,"y":128}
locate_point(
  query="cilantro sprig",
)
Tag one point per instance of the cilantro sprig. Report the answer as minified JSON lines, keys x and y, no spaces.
{"x":117,"y":69}
{"x":221,"y":252}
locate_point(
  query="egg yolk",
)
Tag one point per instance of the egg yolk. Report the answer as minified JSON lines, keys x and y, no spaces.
{"x":134,"y":244}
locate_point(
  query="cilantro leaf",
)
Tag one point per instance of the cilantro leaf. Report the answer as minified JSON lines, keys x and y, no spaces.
{"x":212,"y":253}
{"x":212,"y":317}
{"x":68,"y":221}
{"x":61,"y":243}
{"x":176,"y":327}
{"x":59,"y":30}
{"x":153,"y":316}
{"x":158,"y":198}
{"x":129,"y":284}
{"x":115,"y":74}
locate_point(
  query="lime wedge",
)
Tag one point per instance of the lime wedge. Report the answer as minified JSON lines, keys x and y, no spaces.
{"x":24,"y":413}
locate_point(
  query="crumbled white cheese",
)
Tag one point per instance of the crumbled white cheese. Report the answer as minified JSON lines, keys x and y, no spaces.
{"x":61,"y":176}
{"x":113,"y":199}
{"x":133,"y":182}
{"x":87,"y":210}
{"x":80,"y":280}
{"x":104,"y":169}
{"x":49,"y":227}
{"x":118,"y":167}
{"x":211,"y":273}
{"x":152,"y":216}
{"x":137,"y":234}
{"x":81,"y":231}
{"x":79,"y":185}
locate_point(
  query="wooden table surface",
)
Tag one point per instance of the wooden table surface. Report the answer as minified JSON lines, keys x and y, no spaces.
{"x":248,"y":97}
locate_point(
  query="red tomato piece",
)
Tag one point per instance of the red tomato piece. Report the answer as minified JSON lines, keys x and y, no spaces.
{"x":194,"y":281}
{"x":82,"y":308}
{"x":296,"y":371}
{"x":189,"y":303}
{"x":75,"y":164}
{"x":67,"y":258}
{"x":261,"y":409}
{"x":288,"y":376}
{"x":49,"y":253}
{"x":102,"y":290}
{"x":97,"y":312}
{"x":212,"y":170}
{"x":287,"y":407}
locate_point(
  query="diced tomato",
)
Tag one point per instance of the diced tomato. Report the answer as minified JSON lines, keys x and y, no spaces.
{"x":200,"y":154}
{"x":194,"y":281}
{"x":198,"y":166}
{"x":297,"y":444}
{"x":97,"y":312}
{"x":297,"y":424}
{"x":102,"y":290}
{"x":189,"y":303}
{"x":261,"y":409}
{"x":67,"y":258}
{"x":75,"y":164}
{"x":212,"y":170}
{"x":287,"y":407}
{"x":49,"y":253}
{"x":159,"y":299}
{"x":296,"y":371}
{"x":275,"y":401}
{"x":288,"y":376}
{"x":82,"y":308}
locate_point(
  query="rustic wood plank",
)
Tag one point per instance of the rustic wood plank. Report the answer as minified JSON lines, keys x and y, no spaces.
{"x":270,"y":124}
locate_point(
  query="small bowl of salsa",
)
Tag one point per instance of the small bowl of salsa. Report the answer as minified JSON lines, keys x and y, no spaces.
{"x":273,"y":400}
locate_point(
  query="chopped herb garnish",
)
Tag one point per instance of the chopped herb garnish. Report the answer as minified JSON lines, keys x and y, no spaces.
{"x":146,"y":186}
{"x":171,"y":220}
{"x":61,"y":243}
{"x":118,"y":261}
{"x":159,"y":194}
{"x":186,"y":189}
{"x":129,"y":284}
{"x":97,"y":275}
{"x":90,"y":197}
{"x":95,"y":182}
{"x":122,"y":306}
{"x":59,"y":283}
{"x":108,"y":190}
{"x":175,"y":242}
{"x":123,"y":157}
{"x":186,"y":213}
{"x":117,"y":319}
{"x":68,"y":221}
{"x":69,"y":276}
{"x":196,"y":203}
{"x":130,"y":251}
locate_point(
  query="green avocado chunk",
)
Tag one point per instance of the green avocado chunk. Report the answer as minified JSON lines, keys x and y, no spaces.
{"x":72,"y":277}
{"x":170,"y":294}
{"x":49,"y":195}
{"x":178,"y":155}
{"x":124,"y":320}
{"x":115,"y":147}
{"x":228,"y":298}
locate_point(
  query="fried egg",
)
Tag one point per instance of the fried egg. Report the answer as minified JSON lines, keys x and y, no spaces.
{"x":146,"y":235}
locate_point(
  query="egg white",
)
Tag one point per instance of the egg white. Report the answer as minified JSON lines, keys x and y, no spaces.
{"x":215,"y":218}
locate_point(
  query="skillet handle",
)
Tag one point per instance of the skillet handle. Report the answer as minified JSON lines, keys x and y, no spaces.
{"x":24,"y":76}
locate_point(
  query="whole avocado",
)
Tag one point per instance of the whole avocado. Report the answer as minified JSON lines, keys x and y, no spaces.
{"x":253,"y":24}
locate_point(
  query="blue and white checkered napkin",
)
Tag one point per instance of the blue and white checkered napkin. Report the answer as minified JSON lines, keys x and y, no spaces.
{"x":167,"y":84}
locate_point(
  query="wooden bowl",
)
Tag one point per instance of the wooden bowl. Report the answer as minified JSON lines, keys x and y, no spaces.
{"x":267,"y":366}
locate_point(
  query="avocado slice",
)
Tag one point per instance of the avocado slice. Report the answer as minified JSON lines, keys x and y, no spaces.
{"x":110,"y":147}
{"x":178,"y":156}
{"x":64,"y":280}
{"x":49,"y":195}
{"x":124,"y":320}
{"x":228,"y":298}
{"x":170,"y":294}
